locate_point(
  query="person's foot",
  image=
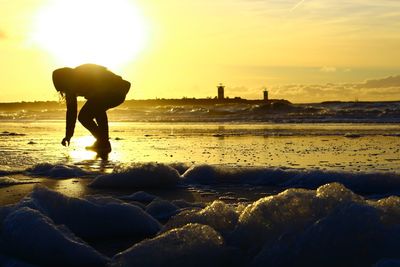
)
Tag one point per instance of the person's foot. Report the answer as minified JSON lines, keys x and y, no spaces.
{"x":100,"y":147}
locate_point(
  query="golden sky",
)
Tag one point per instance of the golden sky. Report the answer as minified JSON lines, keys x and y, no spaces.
{"x":304,"y":51}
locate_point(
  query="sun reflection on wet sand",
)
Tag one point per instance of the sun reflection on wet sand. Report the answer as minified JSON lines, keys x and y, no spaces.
{"x":71,"y":187}
{"x":87,"y":159}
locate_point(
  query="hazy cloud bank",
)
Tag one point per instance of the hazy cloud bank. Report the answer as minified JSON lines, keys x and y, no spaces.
{"x":392,"y":81}
{"x":385,"y":89}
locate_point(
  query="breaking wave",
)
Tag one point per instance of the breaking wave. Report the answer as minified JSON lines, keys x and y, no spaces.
{"x":239,"y":111}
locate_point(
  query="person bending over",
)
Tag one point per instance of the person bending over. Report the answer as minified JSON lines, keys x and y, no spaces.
{"x":102,"y":89}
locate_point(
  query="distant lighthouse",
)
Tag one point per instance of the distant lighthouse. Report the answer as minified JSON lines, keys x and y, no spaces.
{"x":266,"y":95}
{"x":221,"y":95}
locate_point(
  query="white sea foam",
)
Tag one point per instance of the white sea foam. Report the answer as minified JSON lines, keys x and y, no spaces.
{"x":352,"y":235}
{"x":92,"y":219}
{"x":158,"y":175}
{"x":30,"y":235}
{"x":191,"y":245}
{"x":210,"y":174}
{"x":330,"y":226}
{"x":218,"y":215}
{"x":366,"y":183}
{"x":161,"y":209}
{"x":146,"y":175}
{"x":290,"y":211}
{"x":56,"y":171}
{"x":7,"y":181}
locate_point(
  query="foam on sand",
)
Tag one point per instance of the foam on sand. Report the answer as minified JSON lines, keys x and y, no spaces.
{"x":329,"y":226}
{"x":160,"y":176}
{"x":30,"y":235}
{"x":56,"y":171}
{"x":161,"y":209}
{"x":8,"y":181}
{"x":191,"y":245}
{"x":92,"y":219}
{"x":365,"y":183}
{"x":146,"y":175}
{"x":222,"y":217}
{"x":265,"y":220}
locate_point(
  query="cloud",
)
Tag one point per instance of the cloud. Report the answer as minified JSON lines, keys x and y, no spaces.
{"x":391,"y":81}
{"x":385,"y":89}
{"x":328,"y":69}
{"x":243,"y":92}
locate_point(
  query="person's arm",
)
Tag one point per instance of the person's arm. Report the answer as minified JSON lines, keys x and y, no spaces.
{"x":72,"y":107}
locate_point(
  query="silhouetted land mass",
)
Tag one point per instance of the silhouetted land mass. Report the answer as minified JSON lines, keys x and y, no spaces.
{"x":42,"y":105}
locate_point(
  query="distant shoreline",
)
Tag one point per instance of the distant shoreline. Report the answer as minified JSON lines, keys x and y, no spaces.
{"x":144,"y":102}
{"x":181,"y":102}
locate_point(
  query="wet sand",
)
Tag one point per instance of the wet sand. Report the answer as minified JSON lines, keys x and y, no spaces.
{"x":347,"y":147}
{"x":78,"y":187}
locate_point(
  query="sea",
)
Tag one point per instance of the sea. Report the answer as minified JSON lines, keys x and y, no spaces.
{"x":228,"y":184}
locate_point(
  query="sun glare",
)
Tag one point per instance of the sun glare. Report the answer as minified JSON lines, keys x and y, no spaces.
{"x":107,"y":32}
{"x":81,"y":143}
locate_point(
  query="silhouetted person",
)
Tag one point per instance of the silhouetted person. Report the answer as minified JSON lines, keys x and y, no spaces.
{"x":102,"y":89}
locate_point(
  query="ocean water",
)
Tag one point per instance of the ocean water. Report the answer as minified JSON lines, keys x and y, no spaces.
{"x":201,"y":193}
{"x":182,"y":111}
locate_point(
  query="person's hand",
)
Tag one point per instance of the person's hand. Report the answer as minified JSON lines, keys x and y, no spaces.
{"x":66,"y":141}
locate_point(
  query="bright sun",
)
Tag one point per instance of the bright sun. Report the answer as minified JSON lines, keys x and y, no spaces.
{"x":106,"y":32}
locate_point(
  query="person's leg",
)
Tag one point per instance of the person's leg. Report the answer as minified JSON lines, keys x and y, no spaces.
{"x":102,"y":123}
{"x":86,"y":118}
{"x":97,"y":109}
{"x":101,"y":113}
{"x":94,"y":109}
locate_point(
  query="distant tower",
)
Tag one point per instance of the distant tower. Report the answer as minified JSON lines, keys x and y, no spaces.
{"x":266,"y":95}
{"x":221,"y":95}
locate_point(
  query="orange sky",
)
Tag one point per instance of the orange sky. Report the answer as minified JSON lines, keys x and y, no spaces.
{"x":304,"y":51}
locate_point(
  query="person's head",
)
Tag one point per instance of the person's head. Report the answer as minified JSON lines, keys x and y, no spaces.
{"x":62,"y":79}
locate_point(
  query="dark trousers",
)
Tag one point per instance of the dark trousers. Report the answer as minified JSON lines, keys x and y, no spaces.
{"x":93,"y":115}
